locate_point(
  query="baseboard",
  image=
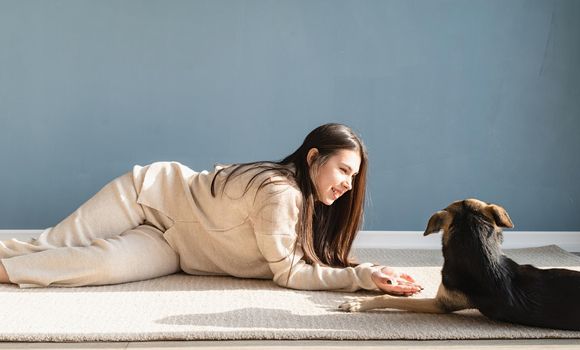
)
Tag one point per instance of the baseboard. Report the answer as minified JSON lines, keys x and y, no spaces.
{"x":568,"y":240}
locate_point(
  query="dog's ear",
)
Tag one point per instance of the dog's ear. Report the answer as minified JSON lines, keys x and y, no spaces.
{"x":501,"y":217}
{"x":439,"y":220}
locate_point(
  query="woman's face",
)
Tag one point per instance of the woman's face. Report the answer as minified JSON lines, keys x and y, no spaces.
{"x":334,"y":178}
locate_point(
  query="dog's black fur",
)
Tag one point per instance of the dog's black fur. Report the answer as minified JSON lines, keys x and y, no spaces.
{"x":476,"y":274}
{"x":496,"y":285}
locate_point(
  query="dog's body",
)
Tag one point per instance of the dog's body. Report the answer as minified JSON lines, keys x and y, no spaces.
{"x":477,"y":275}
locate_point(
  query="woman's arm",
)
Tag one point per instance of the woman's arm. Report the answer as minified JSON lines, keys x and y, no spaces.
{"x":275,"y":216}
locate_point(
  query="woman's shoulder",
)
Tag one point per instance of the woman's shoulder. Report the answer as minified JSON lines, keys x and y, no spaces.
{"x":264,"y":179}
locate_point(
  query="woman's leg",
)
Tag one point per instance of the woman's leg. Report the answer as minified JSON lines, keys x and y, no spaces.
{"x":110,"y":212}
{"x":137,"y":254}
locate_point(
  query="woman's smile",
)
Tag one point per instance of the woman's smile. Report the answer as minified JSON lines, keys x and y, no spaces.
{"x":336,"y":194}
{"x":335,"y":176}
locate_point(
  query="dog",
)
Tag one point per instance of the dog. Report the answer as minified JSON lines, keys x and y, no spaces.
{"x":476,"y":274}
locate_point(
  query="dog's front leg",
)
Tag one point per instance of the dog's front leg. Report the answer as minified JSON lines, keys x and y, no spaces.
{"x":444,"y":302}
{"x":428,"y":305}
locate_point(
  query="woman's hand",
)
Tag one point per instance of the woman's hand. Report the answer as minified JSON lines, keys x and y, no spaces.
{"x":392,"y":282}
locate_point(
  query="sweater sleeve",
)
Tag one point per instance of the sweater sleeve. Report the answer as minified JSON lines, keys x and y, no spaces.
{"x":275,"y":216}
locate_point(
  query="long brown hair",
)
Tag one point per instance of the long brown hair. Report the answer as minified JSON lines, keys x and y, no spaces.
{"x":325,"y":233}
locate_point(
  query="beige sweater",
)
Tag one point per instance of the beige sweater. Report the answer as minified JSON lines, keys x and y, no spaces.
{"x":247,"y":235}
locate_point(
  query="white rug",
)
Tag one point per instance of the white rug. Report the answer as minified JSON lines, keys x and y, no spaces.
{"x":181,"y":307}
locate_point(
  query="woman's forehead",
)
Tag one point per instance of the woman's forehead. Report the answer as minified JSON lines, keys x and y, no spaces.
{"x":348,"y":157}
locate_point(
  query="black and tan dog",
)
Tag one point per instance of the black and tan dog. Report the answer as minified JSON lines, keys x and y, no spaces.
{"x":477,"y":275}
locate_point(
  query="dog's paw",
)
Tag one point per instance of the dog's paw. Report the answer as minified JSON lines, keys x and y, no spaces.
{"x":351,"y":306}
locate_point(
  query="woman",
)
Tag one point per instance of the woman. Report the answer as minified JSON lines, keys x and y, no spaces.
{"x":293,"y":221}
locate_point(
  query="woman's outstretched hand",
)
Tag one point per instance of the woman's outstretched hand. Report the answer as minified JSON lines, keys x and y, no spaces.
{"x":391,"y":282}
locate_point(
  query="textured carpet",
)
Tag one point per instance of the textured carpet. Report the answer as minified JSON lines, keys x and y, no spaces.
{"x":181,"y":307}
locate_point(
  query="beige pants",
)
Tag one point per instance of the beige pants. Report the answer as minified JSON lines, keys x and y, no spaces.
{"x":109,"y":239}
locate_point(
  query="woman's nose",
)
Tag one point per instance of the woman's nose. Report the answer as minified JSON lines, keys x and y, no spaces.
{"x":347,"y":185}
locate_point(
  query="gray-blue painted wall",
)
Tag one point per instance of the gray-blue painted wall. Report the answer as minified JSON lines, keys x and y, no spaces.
{"x":454,"y":99}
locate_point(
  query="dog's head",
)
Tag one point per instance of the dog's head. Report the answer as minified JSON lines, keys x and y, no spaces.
{"x":472,"y":214}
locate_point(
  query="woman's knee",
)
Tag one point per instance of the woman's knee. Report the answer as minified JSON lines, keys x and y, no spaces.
{"x":3,"y":274}
{"x":138,"y":254}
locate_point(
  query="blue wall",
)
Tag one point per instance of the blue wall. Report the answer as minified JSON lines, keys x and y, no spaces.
{"x":454,"y":99}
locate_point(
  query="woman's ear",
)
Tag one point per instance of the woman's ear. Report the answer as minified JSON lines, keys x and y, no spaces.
{"x":312,"y":154}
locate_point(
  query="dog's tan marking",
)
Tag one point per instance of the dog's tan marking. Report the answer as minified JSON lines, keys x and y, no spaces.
{"x":493,"y":212}
{"x":452,"y":300}
{"x":438,"y":221}
{"x":441,"y":220}
{"x":500,"y":216}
